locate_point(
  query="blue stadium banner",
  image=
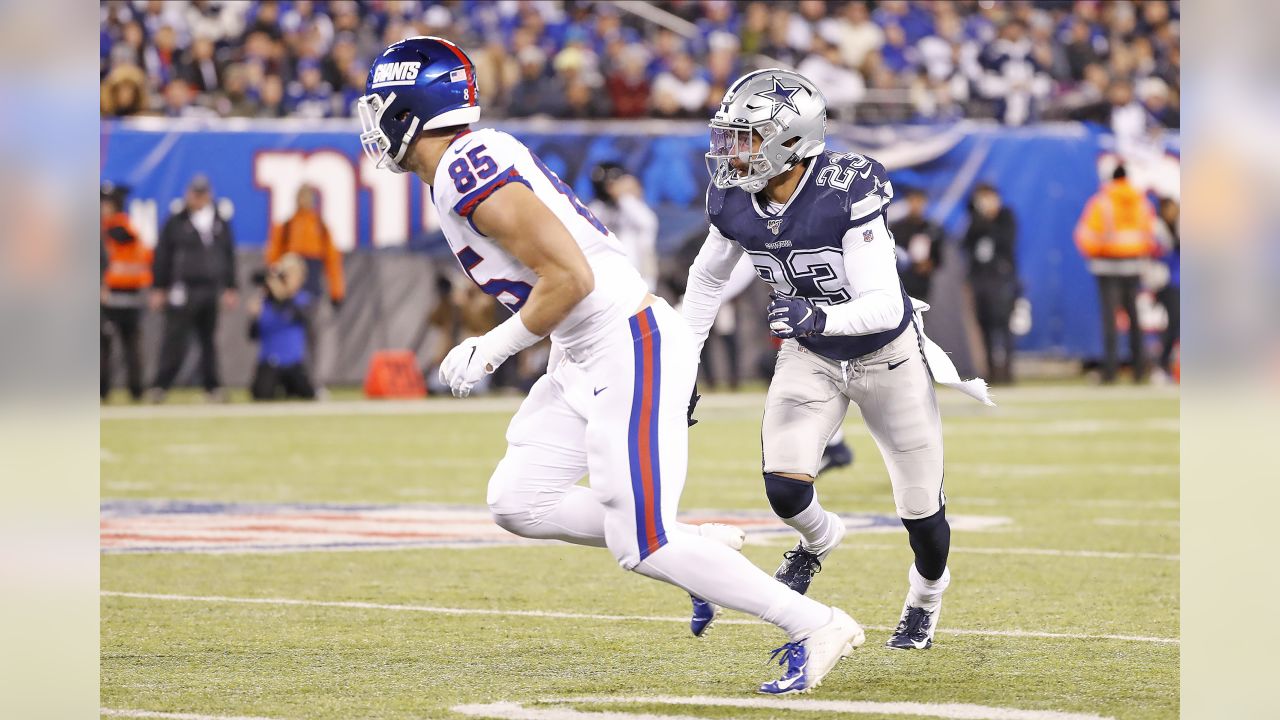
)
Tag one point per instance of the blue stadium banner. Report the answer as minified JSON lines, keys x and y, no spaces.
{"x":1045,"y":173}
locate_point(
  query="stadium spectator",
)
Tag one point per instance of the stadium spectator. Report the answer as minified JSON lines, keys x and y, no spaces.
{"x":271,"y":102}
{"x":1084,"y":49}
{"x":1169,"y":296}
{"x":754,"y":32}
{"x":1033,"y":54}
{"x":842,"y":86}
{"x":627,"y":85}
{"x":990,"y":246}
{"x":721,"y":69}
{"x":1011,"y":77}
{"x":199,"y":68}
{"x":267,"y":20}
{"x":577,"y":80}
{"x":279,"y":324}
{"x":305,"y":236}
{"x":1115,"y":235}
{"x":178,"y":103}
{"x":161,"y":58}
{"x":919,"y":242}
{"x":309,"y":96}
{"x":335,"y":67}
{"x":124,"y":283}
{"x":234,"y":101}
{"x":680,"y":91}
{"x":911,"y":18}
{"x":857,"y":35}
{"x":194,"y":270}
{"x":536,"y":93}
{"x":124,"y":92}
{"x":895,"y":53}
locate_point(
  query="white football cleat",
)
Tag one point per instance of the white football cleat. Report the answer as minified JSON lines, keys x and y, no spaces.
{"x":809,"y":660}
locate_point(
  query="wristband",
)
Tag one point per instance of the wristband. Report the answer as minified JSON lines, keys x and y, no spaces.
{"x":507,"y":339}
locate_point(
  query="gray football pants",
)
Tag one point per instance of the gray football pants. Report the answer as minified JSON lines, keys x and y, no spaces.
{"x":809,"y":397}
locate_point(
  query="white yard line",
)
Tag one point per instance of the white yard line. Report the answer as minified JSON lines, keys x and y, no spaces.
{"x":1137,"y":523}
{"x":1050,"y":552}
{"x":952,"y":711}
{"x":354,"y":605}
{"x":116,"y":712}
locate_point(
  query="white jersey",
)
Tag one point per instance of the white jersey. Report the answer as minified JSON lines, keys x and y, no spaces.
{"x":478,"y":163}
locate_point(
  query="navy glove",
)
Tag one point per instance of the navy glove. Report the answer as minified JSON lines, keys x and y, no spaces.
{"x":795,"y":317}
{"x":693,"y":403}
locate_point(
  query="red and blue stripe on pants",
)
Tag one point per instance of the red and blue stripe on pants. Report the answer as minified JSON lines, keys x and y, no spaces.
{"x":642,"y":433}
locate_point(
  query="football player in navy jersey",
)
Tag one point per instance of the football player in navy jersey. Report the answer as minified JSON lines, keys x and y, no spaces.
{"x":812,"y":223}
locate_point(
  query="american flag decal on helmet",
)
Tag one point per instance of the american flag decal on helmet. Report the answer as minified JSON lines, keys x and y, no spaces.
{"x":456,"y":75}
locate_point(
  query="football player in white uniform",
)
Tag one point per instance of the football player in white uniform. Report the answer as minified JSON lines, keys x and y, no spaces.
{"x":612,"y":405}
{"x":812,"y":223}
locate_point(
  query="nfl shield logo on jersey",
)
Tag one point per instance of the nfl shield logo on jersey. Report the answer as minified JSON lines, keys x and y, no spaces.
{"x":866,"y":235}
{"x":774,"y":225}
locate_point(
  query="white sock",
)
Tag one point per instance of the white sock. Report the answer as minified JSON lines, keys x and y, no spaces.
{"x":710,"y":570}
{"x":926,"y":593}
{"x":814,"y":525}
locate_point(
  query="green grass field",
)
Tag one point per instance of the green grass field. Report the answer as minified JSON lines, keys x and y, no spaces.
{"x":1071,"y":606}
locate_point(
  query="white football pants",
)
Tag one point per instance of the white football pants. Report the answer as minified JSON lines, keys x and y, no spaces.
{"x":617,"y":413}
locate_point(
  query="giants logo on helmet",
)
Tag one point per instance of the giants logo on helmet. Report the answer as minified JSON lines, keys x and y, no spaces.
{"x":396,"y":73}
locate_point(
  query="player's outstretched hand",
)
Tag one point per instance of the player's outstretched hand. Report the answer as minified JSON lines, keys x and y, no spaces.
{"x":464,"y":366}
{"x":795,"y":317}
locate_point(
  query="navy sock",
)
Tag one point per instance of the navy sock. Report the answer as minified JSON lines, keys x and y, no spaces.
{"x":931,"y":541}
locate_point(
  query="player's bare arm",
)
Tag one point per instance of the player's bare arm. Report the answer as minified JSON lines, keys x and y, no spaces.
{"x":526,"y":228}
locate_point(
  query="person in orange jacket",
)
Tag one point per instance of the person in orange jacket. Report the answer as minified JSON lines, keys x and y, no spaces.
{"x":1116,"y":236}
{"x":306,"y":235}
{"x":125,"y":278}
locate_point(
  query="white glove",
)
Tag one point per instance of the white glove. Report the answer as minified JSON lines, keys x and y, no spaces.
{"x":466,"y":365}
{"x":476,"y":357}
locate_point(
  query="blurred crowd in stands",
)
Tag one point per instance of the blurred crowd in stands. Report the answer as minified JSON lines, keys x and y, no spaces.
{"x":1117,"y":63}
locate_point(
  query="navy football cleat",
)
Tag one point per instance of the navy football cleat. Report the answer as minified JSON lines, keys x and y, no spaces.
{"x":915,"y":629}
{"x":800,"y":565}
{"x":836,"y":455}
{"x":809,"y":660}
{"x":704,"y":614}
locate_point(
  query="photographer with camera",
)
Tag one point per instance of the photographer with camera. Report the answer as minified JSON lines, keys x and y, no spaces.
{"x":620,"y":205}
{"x":280,"y":325}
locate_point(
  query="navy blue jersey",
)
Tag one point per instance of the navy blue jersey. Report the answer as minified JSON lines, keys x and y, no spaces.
{"x":800,"y":249}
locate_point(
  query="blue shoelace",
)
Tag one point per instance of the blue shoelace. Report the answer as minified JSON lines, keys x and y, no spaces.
{"x":792,"y":653}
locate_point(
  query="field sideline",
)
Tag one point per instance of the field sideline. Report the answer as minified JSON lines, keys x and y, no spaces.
{"x":334,"y":561}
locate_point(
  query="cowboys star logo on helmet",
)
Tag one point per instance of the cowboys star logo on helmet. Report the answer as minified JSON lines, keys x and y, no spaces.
{"x":780,"y":96}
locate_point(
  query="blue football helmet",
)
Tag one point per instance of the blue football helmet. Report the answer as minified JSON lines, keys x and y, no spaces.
{"x":416,"y":84}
